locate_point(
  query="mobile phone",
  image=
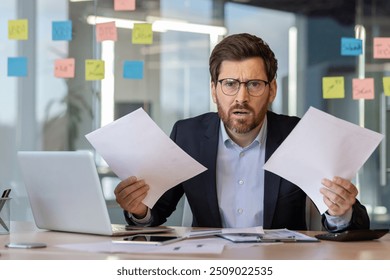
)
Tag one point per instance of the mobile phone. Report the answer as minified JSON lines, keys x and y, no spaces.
{"x":353,"y":235}
{"x":151,"y":239}
{"x":25,"y":245}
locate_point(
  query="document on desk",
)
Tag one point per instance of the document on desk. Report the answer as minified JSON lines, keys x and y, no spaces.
{"x":135,"y":146}
{"x":270,"y":236}
{"x":322,"y":146}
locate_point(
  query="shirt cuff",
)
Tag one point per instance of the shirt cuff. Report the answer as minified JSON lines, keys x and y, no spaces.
{"x":145,"y":221}
{"x":339,"y":222}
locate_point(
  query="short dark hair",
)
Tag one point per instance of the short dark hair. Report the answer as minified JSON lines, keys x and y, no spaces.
{"x":241,"y":46}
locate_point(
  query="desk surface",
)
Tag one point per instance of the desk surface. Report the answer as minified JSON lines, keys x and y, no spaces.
{"x":324,"y":250}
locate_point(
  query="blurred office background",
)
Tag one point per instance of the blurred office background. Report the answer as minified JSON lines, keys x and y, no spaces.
{"x":42,"y":112}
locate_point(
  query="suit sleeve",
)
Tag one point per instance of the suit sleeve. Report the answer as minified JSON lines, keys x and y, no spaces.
{"x":359,"y":220}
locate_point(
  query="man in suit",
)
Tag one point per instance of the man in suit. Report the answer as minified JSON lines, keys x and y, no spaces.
{"x":233,"y":144}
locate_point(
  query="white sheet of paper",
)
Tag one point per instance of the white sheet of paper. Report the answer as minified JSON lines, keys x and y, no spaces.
{"x":322,"y":146}
{"x":213,"y":246}
{"x":135,"y":146}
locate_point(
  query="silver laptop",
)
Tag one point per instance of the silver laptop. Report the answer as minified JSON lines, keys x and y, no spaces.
{"x":65,"y":194}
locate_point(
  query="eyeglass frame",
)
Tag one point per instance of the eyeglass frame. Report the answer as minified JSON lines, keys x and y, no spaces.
{"x":246,"y":86}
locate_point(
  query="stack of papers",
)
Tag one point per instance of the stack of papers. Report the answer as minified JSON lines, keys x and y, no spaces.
{"x":273,"y":235}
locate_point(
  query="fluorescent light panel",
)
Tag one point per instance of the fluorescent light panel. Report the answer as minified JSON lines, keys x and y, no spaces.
{"x":162,"y":25}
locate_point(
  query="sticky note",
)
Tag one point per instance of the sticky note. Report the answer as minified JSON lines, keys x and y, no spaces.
{"x":142,"y":33}
{"x":351,"y":46}
{"x":381,"y":47}
{"x":386,"y":85}
{"x":94,"y":69}
{"x":64,"y":68}
{"x":124,"y":5}
{"x":363,"y":88}
{"x":106,"y":31}
{"x":18,"y":29}
{"x":61,"y":30}
{"x":17,"y":66}
{"x":333,"y":87}
{"x":133,"y":69}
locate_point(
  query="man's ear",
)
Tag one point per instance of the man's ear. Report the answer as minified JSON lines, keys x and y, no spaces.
{"x":272,"y":91}
{"x":214,"y":92}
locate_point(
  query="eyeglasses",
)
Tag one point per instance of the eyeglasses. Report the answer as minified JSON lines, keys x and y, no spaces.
{"x":232,"y":86}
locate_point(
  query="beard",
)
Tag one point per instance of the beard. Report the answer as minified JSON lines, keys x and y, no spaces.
{"x":240,"y":125}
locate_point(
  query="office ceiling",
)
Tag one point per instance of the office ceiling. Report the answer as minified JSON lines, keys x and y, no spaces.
{"x":344,"y":11}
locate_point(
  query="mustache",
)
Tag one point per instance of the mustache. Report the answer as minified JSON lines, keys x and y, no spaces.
{"x":241,"y":106}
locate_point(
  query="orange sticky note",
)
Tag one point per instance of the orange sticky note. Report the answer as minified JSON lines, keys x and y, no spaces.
{"x":333,"y":87}
{"x":124,"y":5}
{"x":106,"y":31}
{"x":363,"y":88}
{"x":142,"y":33}
{"x":381,"y":47}
{"x":386,"y":85}
{"x":94,"y":69}
{"x":64,"y":68}
{"x":18,"y":29}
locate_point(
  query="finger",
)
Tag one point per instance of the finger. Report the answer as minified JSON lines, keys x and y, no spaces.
{"x":343,"y":188}
{"x":124,"y":184}
{"x":346,"y":184}
{"x":333,"y":208}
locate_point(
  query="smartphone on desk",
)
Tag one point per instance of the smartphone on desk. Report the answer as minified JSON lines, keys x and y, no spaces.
{"x":151,"y":239}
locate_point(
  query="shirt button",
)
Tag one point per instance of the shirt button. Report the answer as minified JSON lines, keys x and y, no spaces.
{"x":241,"y":182}
{"x":242,"y":154}
{"x":240,"y":210}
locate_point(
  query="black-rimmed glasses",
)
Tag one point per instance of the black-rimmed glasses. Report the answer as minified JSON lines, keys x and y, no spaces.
{"x":231,"y":86}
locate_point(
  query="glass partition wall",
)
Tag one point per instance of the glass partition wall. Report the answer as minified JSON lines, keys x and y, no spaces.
{"x":41,"y":111}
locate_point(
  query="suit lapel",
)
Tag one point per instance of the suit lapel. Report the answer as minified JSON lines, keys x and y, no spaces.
{"x":271,"y":181}
{"x":208,"y":152}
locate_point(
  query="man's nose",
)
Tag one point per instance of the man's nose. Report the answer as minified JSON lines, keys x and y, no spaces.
{"x":242,"y":94}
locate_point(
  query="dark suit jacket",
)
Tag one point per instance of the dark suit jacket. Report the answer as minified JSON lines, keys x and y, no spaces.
{"x":284,"y":202}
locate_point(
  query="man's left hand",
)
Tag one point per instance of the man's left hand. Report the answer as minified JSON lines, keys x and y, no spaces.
{"x":339,"y":195}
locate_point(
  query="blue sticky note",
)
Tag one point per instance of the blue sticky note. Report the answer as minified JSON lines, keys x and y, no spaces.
{"x":133,"y":69}
{"x":351,"y":46}
{"x":61,"y":30}
{"x":17,"y":66}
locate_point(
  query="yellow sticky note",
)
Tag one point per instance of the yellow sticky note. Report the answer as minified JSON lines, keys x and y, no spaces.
{"x":333,"y":87}
{"x":18,"y":29}
{"x":363,"y":88}
{"x":94,"y":69}
{"x":142,"y":33}
{"x":386,"y":85}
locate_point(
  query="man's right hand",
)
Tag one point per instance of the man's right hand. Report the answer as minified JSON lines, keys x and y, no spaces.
{"x":130,"y":193}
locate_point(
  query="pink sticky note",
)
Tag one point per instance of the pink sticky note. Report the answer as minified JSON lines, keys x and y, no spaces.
{"x":106,"y":31}
{"x":363,"y":88}
{"x":64,"y":68}
{"x":124,"y":5}
{"x":381,"y":47}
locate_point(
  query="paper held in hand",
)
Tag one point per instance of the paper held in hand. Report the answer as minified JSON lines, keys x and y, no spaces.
{"x":322,"y":146}
{"x":135,"y":146}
